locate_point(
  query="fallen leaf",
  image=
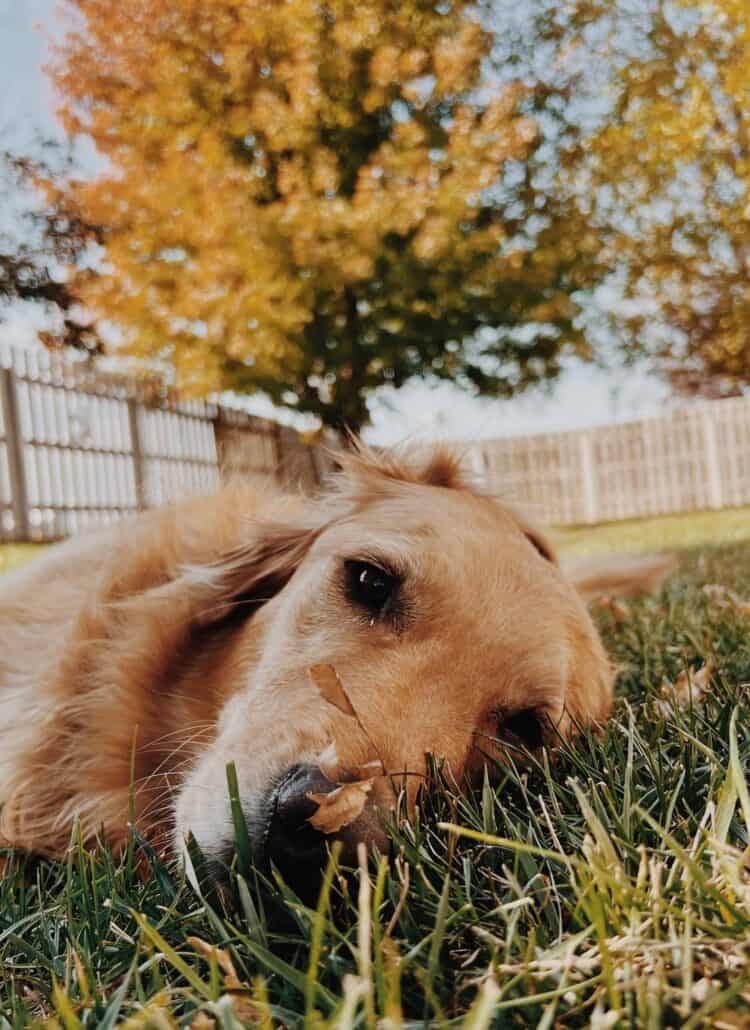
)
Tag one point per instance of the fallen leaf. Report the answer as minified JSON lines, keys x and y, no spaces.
{"x":726,"y":598}
{"x":618,"y":609}
{"x":726,"y":1019}
{"x":690,"y":688}
{"x":326,"y":679}
{"x":223,"y":959}
{"x":244,"y":1009}
{"x":341,"y":807}
{"x":202,"y":1022}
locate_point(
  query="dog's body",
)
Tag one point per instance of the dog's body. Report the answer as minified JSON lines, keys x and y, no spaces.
{"x":93,"y":665}
{"x":138,"y":662}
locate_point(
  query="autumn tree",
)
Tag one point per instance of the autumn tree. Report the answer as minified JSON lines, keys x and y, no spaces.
{"x":316,"y":199}
{"x":672,"y":164}
{"x":39,"y":242}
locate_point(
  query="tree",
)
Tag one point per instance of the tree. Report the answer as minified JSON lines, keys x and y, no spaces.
{"x":673,"y":165}
{"x":318,"y":199}
{"x":34,"y":254}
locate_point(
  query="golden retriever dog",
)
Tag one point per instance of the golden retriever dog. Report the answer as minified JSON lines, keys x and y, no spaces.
{"x":311,"y":642}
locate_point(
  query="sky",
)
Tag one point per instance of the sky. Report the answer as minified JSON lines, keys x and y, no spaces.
{"x":584,"y":395}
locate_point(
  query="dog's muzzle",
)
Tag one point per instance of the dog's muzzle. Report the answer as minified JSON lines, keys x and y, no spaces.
{"x":292,"y":844}
{"x":297,"y":849}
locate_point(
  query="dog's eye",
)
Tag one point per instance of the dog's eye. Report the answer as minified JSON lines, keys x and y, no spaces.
{"x":371,"y":586}
{"x":522,"y":728}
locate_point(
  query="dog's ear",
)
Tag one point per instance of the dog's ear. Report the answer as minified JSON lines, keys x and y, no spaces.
{"x":540,"y":543}
{"x":619,"y":575}
{"x":534,"y":535}
{"x":247,"y":576}
{"x":205,"y":560}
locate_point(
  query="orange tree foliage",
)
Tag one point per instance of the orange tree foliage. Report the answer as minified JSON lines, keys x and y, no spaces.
{"x":315,"y":199}
{"x":675,"y":160}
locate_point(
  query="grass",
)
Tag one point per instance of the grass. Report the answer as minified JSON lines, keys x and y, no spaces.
{"x":13,"y":556}
{"x":609,"y":887}
{"x":679,"y":532}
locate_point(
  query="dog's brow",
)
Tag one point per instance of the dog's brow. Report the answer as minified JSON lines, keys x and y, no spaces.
{"x":393,"y":566}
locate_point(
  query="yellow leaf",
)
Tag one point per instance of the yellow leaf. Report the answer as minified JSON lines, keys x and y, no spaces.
{"x":327,"y":681}
{"x":341,"y":807}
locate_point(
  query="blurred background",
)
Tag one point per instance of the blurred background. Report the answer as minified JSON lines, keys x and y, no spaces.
{"x":231,"y":231}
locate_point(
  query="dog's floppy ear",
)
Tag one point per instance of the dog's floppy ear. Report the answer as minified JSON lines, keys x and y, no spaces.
{"x":247,"y":576}
{"x":535,"y":536}
{"x":619,"y":575}
{"x":204,"y":560}
{"x":539,"y":541}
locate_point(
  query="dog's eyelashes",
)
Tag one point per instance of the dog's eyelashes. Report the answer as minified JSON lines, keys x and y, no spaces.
{"x":371,"y":587}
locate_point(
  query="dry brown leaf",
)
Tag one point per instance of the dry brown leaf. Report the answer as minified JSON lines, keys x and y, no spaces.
{"x":203,"y":1022}
{"x":326,"y":679}
{"x":341,"y":807}
{"x":223,"y":959}
{"x":689,"y":688}
{"x":727,"y":1019}
{"x":244,"y":1009}
{"x":618,"y":609}
{"x":726,"y":598}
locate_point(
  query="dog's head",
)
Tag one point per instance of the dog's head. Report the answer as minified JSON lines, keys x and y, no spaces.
{"x":401,"y":615}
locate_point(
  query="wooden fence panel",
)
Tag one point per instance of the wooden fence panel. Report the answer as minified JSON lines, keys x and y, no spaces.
{"x":178,"y":451}
{"x":80,"y":447}
{"x":695,"y":458}
{"x":11,"y":504}
{"x":539,"y":473}
{"x":78,"y":460}
{"x":732,"y":431}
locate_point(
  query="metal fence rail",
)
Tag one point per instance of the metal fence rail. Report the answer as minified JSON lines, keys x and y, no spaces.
{"x":694,"y":458}
{"x":79,"y":448}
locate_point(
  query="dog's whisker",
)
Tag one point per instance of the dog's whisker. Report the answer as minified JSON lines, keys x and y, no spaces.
{"x":201,"y":727}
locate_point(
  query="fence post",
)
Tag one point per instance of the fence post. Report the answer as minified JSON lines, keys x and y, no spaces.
{"x":135,"y":446}
{"x":478,"y":462}
{"x":588,"y":480}
{"x":715,"y":492}
{"x":278,"y":449}
{"x":14,"y":446}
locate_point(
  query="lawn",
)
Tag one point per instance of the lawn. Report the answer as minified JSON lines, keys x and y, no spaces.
{"x":13,"y":556}
{"x":607,"y":885}
{"x":662,"y":532}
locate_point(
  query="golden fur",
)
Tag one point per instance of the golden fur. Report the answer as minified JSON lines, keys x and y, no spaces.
{"x":167,"y":646}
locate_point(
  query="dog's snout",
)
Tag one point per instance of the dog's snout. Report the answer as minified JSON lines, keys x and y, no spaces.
{"x":293,"y":803}
{"x":293,"y":845}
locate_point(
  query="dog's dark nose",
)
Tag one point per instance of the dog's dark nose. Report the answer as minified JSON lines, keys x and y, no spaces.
{"x":298,"y":850}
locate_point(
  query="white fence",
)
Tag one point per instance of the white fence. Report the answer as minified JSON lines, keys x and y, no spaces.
{"x":79,"y":448}
{"x":694,"y":458}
